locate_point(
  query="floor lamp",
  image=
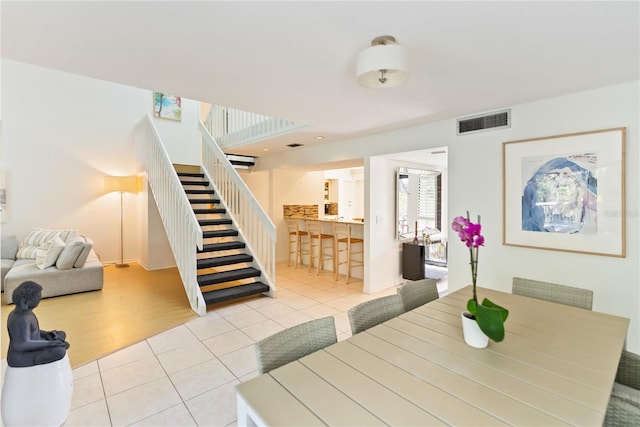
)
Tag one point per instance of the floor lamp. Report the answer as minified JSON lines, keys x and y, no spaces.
{"x":122,"y":184}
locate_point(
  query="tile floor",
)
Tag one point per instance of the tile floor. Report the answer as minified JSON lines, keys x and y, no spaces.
{"x":186,"y":376}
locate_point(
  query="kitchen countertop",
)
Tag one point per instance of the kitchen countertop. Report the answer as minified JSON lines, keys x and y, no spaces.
{"x":328,"y":219}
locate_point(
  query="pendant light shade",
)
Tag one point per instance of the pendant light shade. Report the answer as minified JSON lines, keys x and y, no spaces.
{"x":384,"y":64}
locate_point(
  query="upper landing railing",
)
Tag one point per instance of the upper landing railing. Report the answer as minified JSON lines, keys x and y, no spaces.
{"x":233,"y":128}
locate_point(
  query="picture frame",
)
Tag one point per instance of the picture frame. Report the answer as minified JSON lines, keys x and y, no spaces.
{"x":566,"y":192}
{"x":167,"y":106}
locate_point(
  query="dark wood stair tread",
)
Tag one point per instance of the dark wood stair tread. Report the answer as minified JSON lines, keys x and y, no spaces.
{"x":210,"y":211}
{"x":204,"y":201}
{"x":215,"y":221}
{"x":199,"y":191}
{"x":222,"y":246}
{"x":241,"y":291}
{"x":228,"y":276}
{"x":190,"y":182}
{"x":191,"y":174}
{"x":224,"y":260}
{"x":219,"y":233}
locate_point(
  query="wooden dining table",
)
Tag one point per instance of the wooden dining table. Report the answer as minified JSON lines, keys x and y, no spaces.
{"x":556,"y":366}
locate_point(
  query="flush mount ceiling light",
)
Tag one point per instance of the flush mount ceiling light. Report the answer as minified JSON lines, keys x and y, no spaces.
{"x":384,"y":64}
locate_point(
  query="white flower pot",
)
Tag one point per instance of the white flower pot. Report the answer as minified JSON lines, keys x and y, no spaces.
{"x":473,"y":335}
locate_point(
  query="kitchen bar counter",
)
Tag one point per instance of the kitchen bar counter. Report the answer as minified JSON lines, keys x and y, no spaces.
{"x":326,"y":226}
{"x":329,"y":219}
{"x":357,"y":229}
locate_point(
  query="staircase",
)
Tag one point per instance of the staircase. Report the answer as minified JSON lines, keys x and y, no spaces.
{"x":221,"y":238}
{"x":225,"y":268}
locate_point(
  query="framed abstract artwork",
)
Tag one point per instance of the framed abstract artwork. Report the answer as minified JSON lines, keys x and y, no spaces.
{"x":167,"y":106}
{"x":566,"y":192}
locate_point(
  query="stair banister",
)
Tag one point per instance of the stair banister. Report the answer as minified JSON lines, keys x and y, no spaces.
{"x":256,"y":227}
{"x":180,"y":222}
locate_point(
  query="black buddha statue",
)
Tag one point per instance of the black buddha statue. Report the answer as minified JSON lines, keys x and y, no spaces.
{"x":28,"y":344}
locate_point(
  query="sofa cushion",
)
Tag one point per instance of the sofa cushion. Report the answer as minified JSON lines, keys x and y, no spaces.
{"x":86,"y":250}
{"x":47,"y":253}
{"x":9,"y":247}
{"x":38,"y":236}
{"x":69,"y":254}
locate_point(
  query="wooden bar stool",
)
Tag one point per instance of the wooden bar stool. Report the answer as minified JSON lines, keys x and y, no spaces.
{"x":350,"y":246}
{"x":297,"y":243}
{"x":317,"y":247}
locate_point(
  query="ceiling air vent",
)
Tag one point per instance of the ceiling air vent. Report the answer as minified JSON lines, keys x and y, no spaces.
{"x":294,"y":145}
{"x":495,"y":120}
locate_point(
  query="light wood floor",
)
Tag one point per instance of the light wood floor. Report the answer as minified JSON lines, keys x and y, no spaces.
{"x":133,"y":305}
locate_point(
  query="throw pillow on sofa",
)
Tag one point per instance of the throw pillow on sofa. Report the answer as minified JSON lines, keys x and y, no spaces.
{"x":82,"y":258}
{"x":69,"y":254}
{"x":47,"y":253}
{"x":38,"y":236}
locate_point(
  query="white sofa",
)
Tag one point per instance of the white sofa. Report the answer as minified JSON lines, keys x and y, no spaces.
{"x":60,"y":261}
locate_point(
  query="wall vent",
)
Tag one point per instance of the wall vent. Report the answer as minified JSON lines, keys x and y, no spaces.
{"x":489,"y":121}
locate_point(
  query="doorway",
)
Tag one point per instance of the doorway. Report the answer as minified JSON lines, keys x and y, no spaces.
{"x":421,"y":207}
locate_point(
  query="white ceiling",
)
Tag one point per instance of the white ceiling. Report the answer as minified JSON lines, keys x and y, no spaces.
{"x":296,"y":59}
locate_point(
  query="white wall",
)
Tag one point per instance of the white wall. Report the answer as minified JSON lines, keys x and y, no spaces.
{"x":62,"y":133}
{"x":381,"y":249}
{"x":260,"y":183}
{"x":181,"y":139}
{"x":474,"y":179}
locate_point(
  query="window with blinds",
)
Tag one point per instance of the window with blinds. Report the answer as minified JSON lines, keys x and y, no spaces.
{"x":429,"y":199}
{"x":418,"y":201}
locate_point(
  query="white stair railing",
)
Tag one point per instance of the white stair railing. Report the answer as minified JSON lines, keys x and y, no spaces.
{"x":180,"y":222}
{"x":234,"y":128}
{"x":254,"y":225}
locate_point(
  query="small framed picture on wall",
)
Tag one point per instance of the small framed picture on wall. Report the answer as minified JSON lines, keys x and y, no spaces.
{"x":167,"y":106}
